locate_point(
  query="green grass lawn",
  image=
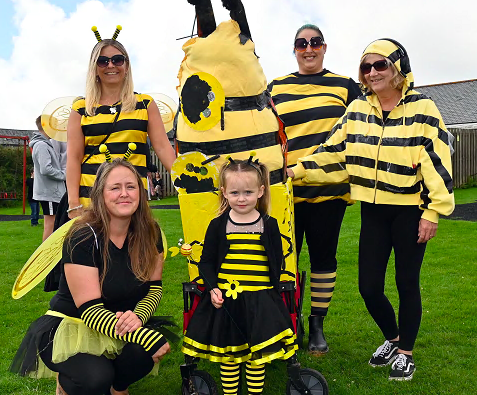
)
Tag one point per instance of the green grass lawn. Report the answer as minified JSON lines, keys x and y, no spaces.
{"x":444,"y":351}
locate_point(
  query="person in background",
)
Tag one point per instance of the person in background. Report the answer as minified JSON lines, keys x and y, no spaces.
{"x":34,"y":205}
{"x":49,"y":186}
{"x":393,"y":147}
{"x":158,"y":185}
{"x":310,"y":102}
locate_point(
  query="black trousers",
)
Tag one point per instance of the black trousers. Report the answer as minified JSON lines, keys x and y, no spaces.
{"x":320,"y":223}
{"x":383,"y":228}
{"x":85,"y":374}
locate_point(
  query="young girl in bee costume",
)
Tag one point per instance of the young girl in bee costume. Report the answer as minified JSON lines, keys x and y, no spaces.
{"x":242,"y":317}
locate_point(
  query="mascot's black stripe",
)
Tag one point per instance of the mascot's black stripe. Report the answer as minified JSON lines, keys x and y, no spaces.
{"x":230,"y":146}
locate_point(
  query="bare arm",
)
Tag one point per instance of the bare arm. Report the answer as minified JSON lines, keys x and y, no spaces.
{"x":83,"y":282}
{"x":75,"y":154}
{"x":158,"y":136}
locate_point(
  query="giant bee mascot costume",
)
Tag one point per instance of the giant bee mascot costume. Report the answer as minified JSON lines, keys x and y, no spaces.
{"x":225,"y":107}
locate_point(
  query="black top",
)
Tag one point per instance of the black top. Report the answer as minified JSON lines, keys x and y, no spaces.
{"x":385,"y":115}
{"x":216,"y":247}
{"x":121,"y":289}
{"x":29,"y":184}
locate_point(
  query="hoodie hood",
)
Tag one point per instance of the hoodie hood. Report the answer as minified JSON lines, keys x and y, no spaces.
{"x":397,"y":54}
{"x":37,"y":136}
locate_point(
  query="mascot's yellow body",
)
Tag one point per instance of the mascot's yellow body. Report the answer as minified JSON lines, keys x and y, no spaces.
{"x":225,"y":109}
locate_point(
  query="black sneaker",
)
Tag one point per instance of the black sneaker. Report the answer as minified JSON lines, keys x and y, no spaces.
{"x":385,"y":354}
{"x":403,"y":368}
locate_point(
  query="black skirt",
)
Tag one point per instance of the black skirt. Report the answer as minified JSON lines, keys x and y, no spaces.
{"x":254,"y":327}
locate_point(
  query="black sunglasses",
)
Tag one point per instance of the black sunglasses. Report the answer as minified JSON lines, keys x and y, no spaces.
{"x":116,"y":60}
{"x":379,"y":65}
{"x":315,"y":43}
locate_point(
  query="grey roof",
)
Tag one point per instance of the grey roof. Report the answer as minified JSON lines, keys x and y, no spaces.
{"x":457,"y":101}
{"x":14,"y":132}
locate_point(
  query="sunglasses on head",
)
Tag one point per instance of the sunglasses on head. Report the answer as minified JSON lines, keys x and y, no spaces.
{"x":379,"y":65}
{"x":301,"y":44}
{"x":116,"y":60}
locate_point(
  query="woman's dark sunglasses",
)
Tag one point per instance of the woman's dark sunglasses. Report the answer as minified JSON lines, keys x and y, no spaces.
{"x":301,"y":44}
{"x":116,"y":60}
{"x":380,"y":65}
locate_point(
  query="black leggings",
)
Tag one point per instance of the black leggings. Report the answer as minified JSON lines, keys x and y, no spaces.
{"x":85,"y":374}
{"x":385,"y":227}
{"x":320,"y":223}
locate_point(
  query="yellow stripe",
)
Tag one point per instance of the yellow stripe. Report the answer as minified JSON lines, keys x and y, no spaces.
{"x":323,"y":275}
{"x":274,"y":339}
{"x":214,"y":348}
{"x":61,"y":315}
{"x":241,"y":236}
{"x":235,"y":266}
{"x":255,"y":247}
{"x":247,"y":257}
{"x":322,"y":294}
{"x":320,"y":304}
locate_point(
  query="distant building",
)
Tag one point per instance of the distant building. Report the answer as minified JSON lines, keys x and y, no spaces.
{"x":457,"y":102}
{"x":14,"y":132}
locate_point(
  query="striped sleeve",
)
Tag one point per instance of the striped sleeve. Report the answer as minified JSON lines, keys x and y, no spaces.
{"x":436,"y":167}
{"x":327,"y":165}
{"x":148,"y":305}
{"x":98,"y":318}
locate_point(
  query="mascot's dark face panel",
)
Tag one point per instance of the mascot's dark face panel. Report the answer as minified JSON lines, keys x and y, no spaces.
{"x":195,"y":94}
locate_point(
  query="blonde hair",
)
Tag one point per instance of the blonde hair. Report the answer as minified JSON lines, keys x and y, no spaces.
{"x":93,"y":84}
{"x":243,"y":166}
{"x":397,"y":80}
{"x":143,"y":233}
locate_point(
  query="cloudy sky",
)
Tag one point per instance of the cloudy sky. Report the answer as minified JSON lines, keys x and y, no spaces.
{"x":45,"y":44}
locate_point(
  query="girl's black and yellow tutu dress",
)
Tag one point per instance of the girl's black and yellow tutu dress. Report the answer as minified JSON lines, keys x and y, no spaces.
{"x":244,"y":262}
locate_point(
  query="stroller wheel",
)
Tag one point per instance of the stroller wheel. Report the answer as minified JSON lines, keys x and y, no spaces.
{"x":313,"y":380}
{"x":201,"y":383}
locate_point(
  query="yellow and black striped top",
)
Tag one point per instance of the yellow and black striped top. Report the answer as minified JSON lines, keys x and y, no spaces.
{"x":310,"y":105}
{"x":245,"y":262}
{"x":403,"y":160}
{"x":130,"y":127}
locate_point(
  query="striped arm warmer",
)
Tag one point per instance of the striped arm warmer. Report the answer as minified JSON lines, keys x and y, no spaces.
{"x":98,"y":318}
{"x":148,"y":305}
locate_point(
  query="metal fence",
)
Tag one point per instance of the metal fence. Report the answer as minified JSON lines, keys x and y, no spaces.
{"x":464,"y":160}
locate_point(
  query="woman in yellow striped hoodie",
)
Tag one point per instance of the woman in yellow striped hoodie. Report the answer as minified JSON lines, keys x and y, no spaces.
{"x":393,"y":147}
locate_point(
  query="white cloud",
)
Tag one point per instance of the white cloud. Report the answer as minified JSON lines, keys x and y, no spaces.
{"x":51,"y":50}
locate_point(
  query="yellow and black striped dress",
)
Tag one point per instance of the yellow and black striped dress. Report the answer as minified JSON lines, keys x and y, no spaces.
{"x":130,"y":127}
{"x":253,"y":323}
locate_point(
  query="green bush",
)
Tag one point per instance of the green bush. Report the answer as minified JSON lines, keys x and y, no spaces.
{"x":11,"y":171}
{"x":471,"y":182}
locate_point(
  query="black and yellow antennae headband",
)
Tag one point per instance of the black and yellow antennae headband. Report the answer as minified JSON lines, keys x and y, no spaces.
{"x":115,"y":35}
{"x":104,"y":150}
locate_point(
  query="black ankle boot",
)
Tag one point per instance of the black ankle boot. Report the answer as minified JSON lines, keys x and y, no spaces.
{"x":316,"y":340}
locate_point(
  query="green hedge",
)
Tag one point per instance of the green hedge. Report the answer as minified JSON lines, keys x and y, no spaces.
{"x":11,"y":170}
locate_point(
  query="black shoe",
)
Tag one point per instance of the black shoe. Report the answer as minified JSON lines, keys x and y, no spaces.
{"x":316,"y":341}
{"x":385,"y":354}
{"x":403,"y":368}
